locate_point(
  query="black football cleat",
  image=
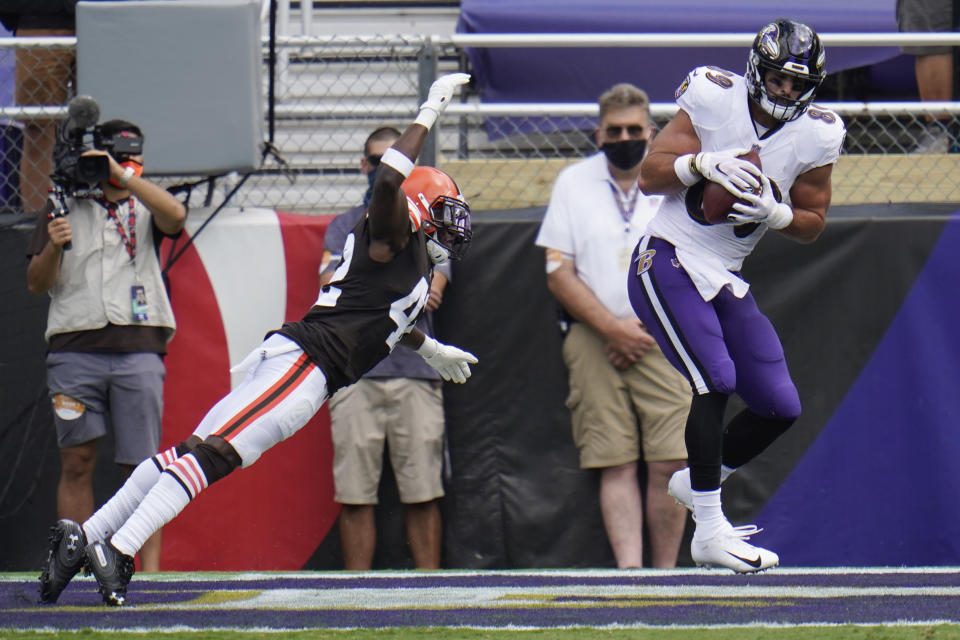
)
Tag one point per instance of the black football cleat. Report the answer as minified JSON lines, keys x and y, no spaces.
{"x":112,"y":570}
{"x":65,"y":559}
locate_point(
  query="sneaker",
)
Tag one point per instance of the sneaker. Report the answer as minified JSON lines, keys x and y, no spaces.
{"x":934,"y":139}
{"x":112,"y":570}
{"x":679,"y":488}
{"x":728,"y":548}
{"x":64,"y":559}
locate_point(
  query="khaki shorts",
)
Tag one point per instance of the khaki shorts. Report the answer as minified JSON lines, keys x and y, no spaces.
{"x":407,"y":414}
{"x":609,"y":408}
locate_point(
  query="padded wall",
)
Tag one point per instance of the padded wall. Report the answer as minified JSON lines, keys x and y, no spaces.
{"x":865,"y":477}
{"x":151,"y":62}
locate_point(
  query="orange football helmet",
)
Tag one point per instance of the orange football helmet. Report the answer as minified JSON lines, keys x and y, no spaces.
{"x":437,"y":206}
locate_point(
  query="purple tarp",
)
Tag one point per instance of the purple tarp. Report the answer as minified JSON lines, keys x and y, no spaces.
{"x":581,"y":74}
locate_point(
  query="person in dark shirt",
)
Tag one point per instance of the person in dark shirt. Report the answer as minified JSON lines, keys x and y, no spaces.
{"x":416,"y":219}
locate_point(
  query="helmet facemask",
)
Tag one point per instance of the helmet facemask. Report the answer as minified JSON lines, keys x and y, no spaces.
{"x":448,"y":230}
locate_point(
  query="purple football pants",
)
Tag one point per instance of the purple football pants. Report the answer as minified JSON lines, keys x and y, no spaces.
{"x":725,"y":345}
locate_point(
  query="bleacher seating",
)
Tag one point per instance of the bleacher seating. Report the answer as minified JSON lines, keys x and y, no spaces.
{"x":325,"y":151}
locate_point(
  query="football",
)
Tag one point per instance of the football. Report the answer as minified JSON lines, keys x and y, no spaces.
{"x":717,"y":201}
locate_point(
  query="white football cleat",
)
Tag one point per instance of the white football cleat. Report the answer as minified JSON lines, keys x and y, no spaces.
{"x":679,"y":488}
{"x":728,"y":548}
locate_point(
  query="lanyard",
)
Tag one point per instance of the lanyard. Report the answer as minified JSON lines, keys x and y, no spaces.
{"x":129,"y":241}
{"x":626,"y":207}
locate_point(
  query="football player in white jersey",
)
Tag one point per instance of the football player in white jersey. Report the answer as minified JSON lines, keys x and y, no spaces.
{"x":685,"y":283}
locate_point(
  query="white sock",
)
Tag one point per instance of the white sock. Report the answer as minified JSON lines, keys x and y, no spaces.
{"x":115,"y":512}
{"x":178,"y":484}
{"x":708,"y":513}
{"x":725,"y":472}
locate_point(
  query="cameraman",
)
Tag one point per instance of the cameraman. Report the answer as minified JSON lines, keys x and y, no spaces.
{"x":108,"y":324}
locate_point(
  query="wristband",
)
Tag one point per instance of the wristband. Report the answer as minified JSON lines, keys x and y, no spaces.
{"x":125,"y":178}
{"x":427,"y":117}
{"x":781,"y":217}
{"x":684,"y":168}
{"x":397,"y":161}
{"x":430,"y":347}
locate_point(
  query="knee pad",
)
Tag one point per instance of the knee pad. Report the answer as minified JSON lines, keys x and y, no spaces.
{"x":782,"y":405}
{"x":188,"y":445}
{"x":212,"y":462}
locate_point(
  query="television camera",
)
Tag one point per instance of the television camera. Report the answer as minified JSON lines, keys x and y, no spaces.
{"x":77,"y":175}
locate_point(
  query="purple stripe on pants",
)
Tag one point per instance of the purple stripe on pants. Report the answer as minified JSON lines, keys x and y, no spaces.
{"x":725,"y":345}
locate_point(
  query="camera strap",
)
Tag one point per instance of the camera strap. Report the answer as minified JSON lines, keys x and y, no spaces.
{"x":129,"y":240}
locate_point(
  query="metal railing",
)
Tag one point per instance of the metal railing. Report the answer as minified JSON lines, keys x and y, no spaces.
{"x":332,"y":90}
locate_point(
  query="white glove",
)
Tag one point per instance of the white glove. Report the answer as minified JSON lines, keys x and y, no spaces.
{"x":726,"y":169}
{"x":451,"y":363}
{"x":762,"y":208}
{"x":439,"y":97}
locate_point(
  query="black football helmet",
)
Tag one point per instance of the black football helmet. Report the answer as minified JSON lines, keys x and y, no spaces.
{"x":792,"y":48}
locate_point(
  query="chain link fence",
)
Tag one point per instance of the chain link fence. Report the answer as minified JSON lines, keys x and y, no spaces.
{"x":330,"y":92}
{"x":36,"y":79}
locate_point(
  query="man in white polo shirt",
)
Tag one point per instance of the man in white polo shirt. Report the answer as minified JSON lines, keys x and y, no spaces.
{"x":625,"y":398}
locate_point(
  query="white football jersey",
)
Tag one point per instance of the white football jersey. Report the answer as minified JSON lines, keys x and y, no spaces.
{"x":718,"y":105}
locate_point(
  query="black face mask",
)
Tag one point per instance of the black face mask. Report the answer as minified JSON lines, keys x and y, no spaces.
{"x":371,"y":178}
{"x":624,"y":154}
